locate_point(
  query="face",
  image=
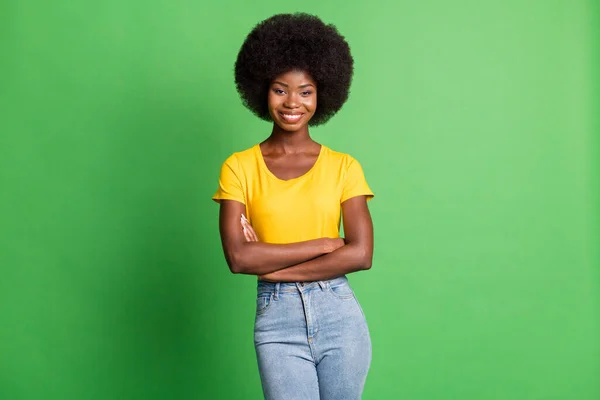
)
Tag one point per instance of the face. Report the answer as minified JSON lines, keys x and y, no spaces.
{"x":292,"y":100}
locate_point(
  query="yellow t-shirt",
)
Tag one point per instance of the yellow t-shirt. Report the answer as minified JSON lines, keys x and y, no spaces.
{"x":295,"y":210}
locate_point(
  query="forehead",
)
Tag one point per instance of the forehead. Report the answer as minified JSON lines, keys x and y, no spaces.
{"x":295,"y":78}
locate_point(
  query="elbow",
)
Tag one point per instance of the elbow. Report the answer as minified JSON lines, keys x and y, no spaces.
{"x":366,"y":263}
{"x":235,"y":269}
{"x":236,"y":265}
{"x":363,"y":256}
{"x":366,"y":260}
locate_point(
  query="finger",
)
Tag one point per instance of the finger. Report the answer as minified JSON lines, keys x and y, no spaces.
{"x":253,"y":234}
{"x":245,"y":222}
{"x":247,"y":235}
{"x":250,"y":233}
{"x":248,"y":227}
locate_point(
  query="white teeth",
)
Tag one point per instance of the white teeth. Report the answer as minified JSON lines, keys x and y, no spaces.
{"x":292,"y":116}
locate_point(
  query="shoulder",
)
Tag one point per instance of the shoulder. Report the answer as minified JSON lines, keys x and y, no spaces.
{"x":338,"y":158}
{"x":241,"y":158}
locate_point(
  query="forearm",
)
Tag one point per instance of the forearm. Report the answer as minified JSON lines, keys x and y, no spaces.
{"x":346,"y":259}
{"x":257,"y":258}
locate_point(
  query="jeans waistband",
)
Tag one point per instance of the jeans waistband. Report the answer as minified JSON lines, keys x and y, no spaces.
{"x":277,"y":287}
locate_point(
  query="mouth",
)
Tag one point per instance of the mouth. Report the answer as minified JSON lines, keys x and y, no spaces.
{"x":290,"y":118}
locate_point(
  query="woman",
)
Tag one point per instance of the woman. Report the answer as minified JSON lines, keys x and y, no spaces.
{"x":311,"y":337}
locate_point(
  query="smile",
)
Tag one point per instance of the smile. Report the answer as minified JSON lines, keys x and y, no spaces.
{"x":290,"y":117}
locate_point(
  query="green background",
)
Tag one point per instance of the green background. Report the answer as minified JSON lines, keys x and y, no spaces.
{"x":477,"y":126}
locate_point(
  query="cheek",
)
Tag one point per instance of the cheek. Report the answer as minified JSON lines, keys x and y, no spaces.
{"x":311,"y":103}
{"x":273,"y":102}
{"x":270,"y":100}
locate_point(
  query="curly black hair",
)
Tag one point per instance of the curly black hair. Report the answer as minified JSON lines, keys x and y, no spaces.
{"x":286,"y":42}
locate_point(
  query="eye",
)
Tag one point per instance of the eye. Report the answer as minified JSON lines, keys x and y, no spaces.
{"x":278,"y":91}
{"x":306,"y":93}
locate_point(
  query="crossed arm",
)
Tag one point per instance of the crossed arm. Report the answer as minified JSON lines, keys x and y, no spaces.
{"x":318,"y":259}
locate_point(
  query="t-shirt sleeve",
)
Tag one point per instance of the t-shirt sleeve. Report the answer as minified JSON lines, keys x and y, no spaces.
{"x":230,"y":182}
{"x":355,"y":183}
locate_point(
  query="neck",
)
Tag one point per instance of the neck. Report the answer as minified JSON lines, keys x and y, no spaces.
{"x":289,"y":141}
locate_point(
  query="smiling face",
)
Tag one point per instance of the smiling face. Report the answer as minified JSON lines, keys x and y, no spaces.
{"x":292,"y":100}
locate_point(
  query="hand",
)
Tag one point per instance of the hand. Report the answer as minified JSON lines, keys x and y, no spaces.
{"x":267,"y":277}
{"x":332,"y":244}
{"x":249,"y":233}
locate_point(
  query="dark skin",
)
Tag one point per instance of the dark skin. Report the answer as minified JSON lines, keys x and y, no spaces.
{"x":289,"y":153}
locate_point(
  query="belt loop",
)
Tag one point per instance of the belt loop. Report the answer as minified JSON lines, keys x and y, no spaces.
{"x":276,"y":294}
{"x":323,"y":285}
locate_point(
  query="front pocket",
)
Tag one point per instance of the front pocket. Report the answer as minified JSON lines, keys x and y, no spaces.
{"x":343,"y":292}
{"x":263,"y":302}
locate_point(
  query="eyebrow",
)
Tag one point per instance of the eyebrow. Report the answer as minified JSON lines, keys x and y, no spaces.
{"x":301,"y":86}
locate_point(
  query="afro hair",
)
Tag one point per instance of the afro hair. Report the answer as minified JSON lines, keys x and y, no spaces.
{"x":286,"y":42}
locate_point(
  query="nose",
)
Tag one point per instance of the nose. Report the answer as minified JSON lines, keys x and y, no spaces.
{"x":291,"y":101}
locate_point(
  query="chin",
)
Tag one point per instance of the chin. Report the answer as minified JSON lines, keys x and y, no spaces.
{"x":291,"y":128}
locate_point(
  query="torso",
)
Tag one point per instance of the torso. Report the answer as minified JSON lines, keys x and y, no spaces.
{"x":295,"y":197}
{"x":290,"y":166}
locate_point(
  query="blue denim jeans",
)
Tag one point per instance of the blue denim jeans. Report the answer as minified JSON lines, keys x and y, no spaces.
{"x":312,"y":341}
